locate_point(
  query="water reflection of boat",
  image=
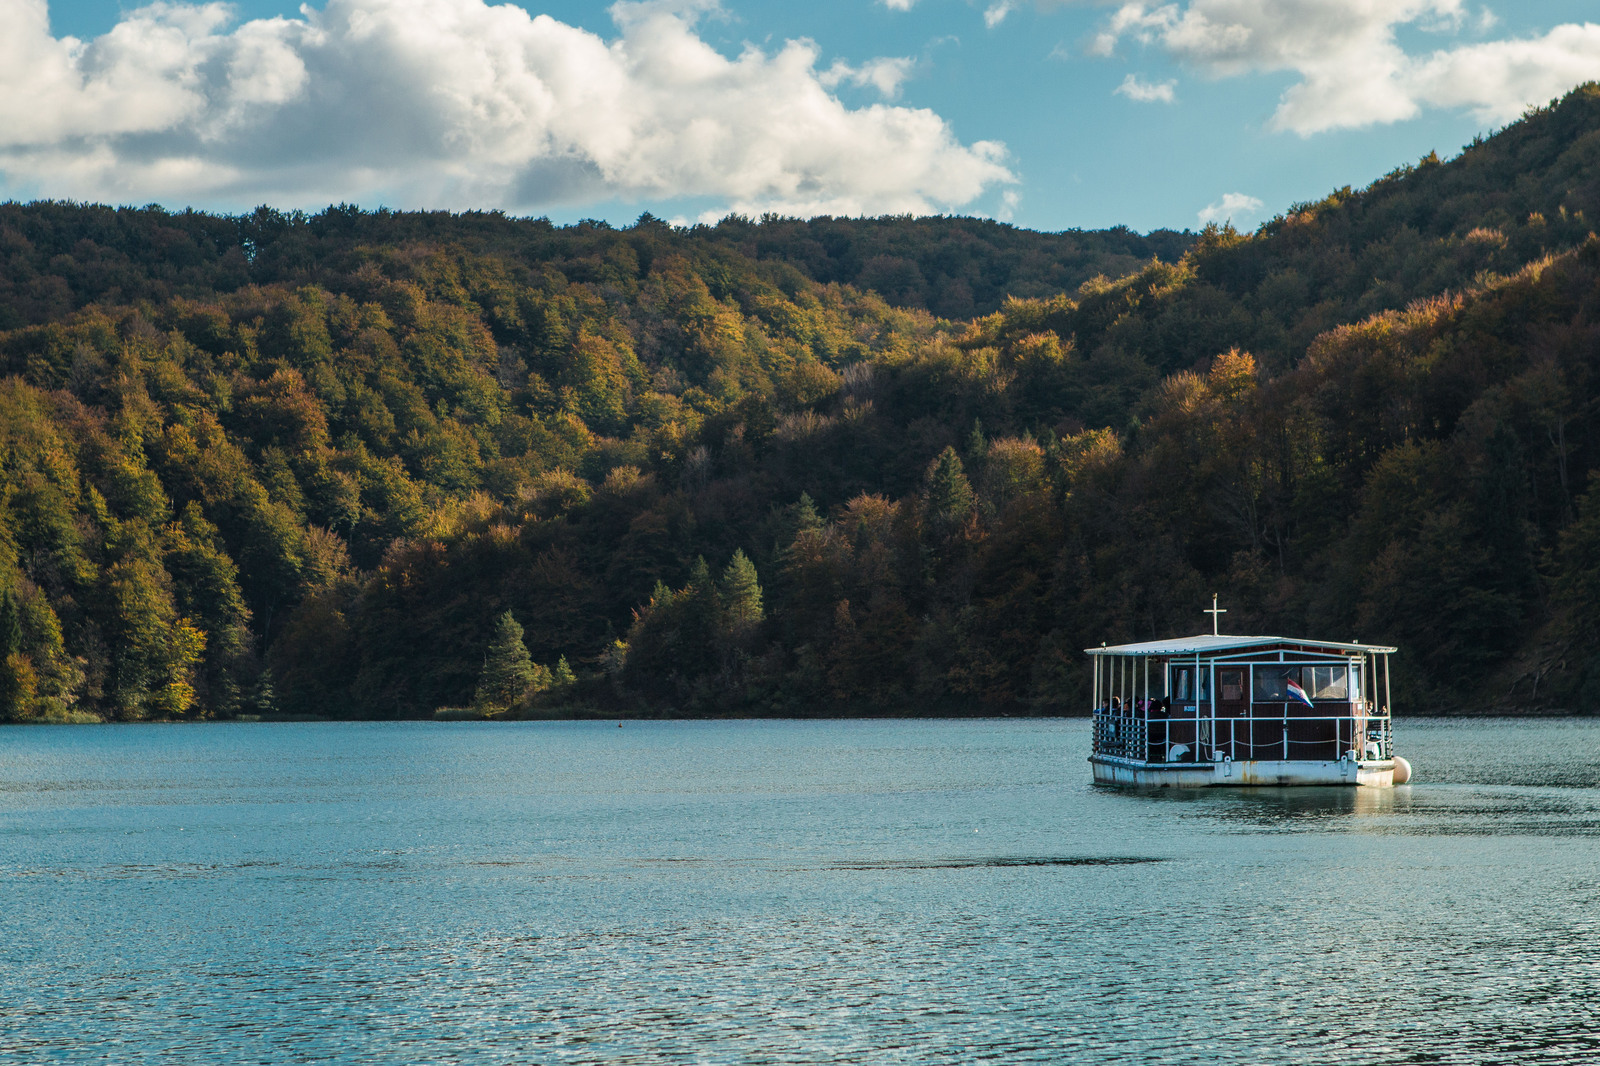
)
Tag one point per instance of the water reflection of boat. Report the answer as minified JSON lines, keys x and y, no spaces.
{"x":1215,"y":709}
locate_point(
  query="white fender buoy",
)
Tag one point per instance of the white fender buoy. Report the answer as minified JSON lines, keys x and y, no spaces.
{"x":1402,"y":770}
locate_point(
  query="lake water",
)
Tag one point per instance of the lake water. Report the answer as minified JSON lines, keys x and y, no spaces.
{"x":775,"y":892}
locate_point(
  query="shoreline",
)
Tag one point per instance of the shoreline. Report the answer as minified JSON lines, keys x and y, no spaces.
{"x":589,"y":716}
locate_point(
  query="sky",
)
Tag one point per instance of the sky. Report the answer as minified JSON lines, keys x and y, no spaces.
{"x":1052,"y":114}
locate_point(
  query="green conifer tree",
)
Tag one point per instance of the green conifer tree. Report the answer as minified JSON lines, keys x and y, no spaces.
{"x":700,"y":621}
{"x":660,"y":596}
{"x":563,"y":675}
{"x":799,"y":519}
{"x":542,"y":679}
{"x":507,"y":667}
{"x":949,"y":493}
{"x":741,"y":595}
{"x":265,"y":696}
{"x":804,"y":515}
{"x":977,"y":443}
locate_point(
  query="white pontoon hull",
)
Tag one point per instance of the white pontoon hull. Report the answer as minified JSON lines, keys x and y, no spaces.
{"x":1112,"y":770}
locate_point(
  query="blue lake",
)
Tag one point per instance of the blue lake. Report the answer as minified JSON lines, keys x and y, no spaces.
{"x":777,"y":892}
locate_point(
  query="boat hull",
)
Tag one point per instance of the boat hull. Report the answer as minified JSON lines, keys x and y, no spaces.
{"x":1254,"y":773}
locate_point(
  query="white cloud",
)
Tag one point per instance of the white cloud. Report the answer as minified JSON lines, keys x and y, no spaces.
{"x":996,"y":13}
{"x":1234,"y":207}
{"x":898,"y":5}
{"x":1146,"y":92}
{"x":1352,"y":69}
{"x":883,"y":74}
{"x":457,"y":103}
{"x":1497,"y":80}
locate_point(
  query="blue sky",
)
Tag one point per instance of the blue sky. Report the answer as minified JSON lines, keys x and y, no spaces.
{"x":1052,"y":114}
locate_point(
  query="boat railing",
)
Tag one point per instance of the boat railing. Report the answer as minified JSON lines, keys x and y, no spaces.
{"x":1128,"y":734}
{"x":1121,"y":733}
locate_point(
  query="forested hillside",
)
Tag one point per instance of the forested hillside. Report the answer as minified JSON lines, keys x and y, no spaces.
{"x":375,"y":464}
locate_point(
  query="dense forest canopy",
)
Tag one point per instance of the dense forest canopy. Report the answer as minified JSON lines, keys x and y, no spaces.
{"x":377,"y":463}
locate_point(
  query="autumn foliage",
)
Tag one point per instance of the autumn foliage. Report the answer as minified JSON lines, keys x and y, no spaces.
{"x":373,"y":464}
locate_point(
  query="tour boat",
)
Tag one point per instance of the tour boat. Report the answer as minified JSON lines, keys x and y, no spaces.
{"x":1215,"y":710}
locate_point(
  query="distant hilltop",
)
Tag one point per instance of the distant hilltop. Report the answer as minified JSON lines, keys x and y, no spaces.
{"x":952,"y":267}
{"x":376,"y":464}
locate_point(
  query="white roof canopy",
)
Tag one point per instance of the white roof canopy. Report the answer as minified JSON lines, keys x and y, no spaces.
{"x":1207,"y":644}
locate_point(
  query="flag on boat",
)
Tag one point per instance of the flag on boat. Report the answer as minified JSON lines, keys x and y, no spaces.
{"x":1296,"y":692}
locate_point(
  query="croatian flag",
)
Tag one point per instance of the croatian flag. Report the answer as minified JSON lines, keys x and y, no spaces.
{"x":1299,"y":693}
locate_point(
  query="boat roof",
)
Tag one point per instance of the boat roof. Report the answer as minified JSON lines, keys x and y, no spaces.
{"x":1206,"y":643}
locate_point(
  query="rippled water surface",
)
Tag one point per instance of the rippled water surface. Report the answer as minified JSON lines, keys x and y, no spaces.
{"x":748,"y":892}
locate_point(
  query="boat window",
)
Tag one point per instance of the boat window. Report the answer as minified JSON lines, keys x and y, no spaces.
{"x":1230,"y":683}
{"x":1320,"y":682}
{"x":1327,"y":682}
{"x":1184,"y":687}
{"x":1355,"y":683}
{"x":1272,"y":683}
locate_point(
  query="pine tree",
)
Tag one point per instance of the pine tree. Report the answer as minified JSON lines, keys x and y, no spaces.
{"x":699,"y":618}
{"x":507,"y":667}
{"x":949,"y":496}
{"x":563,"y":675}
{"x":804,"y":515}
{"x":977,"y":444}
{"x":660,"y":596}
{"x":741,"y":595}
{"x":542,"y":679}
{"x":265,"y":696}
{"x":800,"y":519}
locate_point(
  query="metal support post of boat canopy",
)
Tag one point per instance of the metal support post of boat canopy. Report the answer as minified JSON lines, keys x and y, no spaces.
{"x":1211,"y":730}
{"x":1195,"y":694}
{"x":1372,"y":680}
{"x":1367,"y":690}
{"x":1386,"y":697}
